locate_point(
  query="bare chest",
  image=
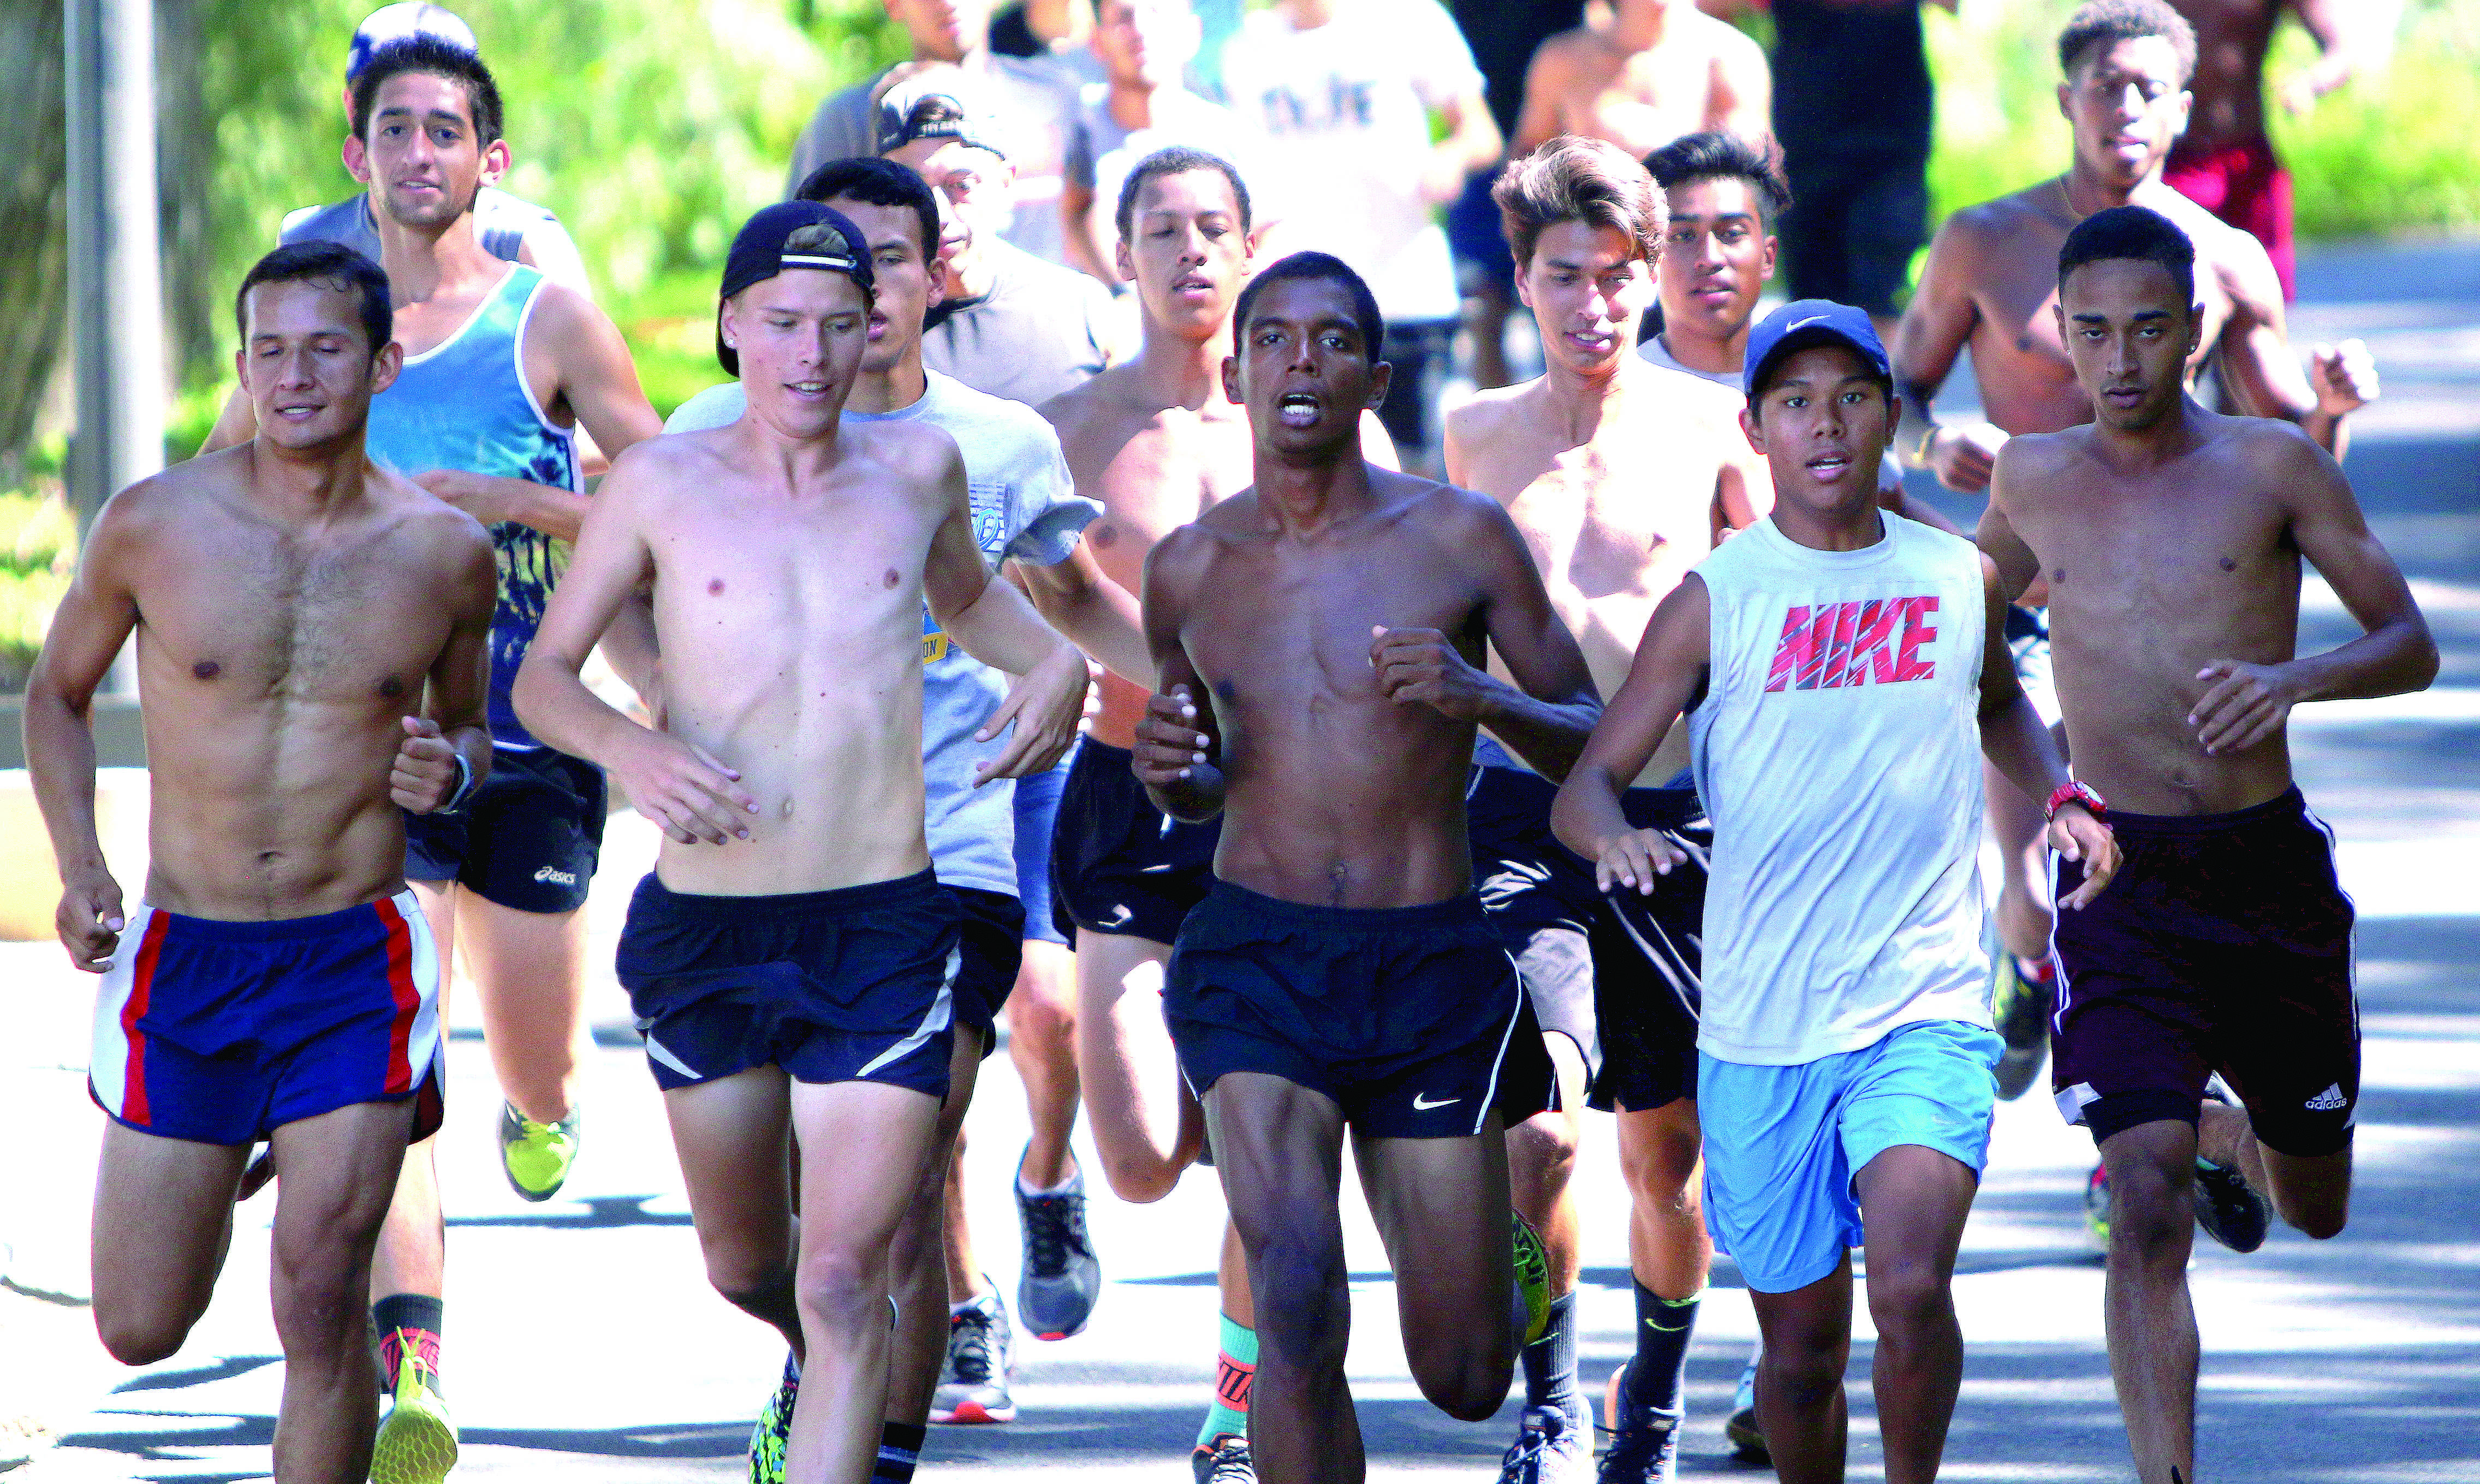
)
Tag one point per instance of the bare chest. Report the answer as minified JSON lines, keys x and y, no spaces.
{"x":272,"y":617}
{"x":1162,"y":474}
{"x":1284,"y":639}
{"x":758,"y":588}
{"x":1643,"y":101}
{"x":2161,"y":563}
{"x":1600,"y":518}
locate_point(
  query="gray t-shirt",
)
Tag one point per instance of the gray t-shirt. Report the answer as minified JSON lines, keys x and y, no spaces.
{"x":1655,"y":352}
{"x":1025,"y":507}
{"x":1038,"y":332}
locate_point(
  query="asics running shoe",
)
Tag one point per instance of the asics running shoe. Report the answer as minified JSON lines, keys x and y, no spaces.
{"x":1551,"y":1448}
{"x":417,"y":1443}
{"x":1644,"y":1440}
{"x":1532,"y":1275}
{"x":1747,"y":1440}
{"x":773,"y":1435}
{"x":1223,"y":1461}
{"x":536,"y":1156}
{"x":981,"y":1352}
{"x":1062,"y":1276}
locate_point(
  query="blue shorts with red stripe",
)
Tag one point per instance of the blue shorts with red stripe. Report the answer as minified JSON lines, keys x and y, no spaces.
{"x":220,"y":1031}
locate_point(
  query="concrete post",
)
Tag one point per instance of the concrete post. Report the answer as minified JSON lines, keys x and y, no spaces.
{"x":116,"y":282}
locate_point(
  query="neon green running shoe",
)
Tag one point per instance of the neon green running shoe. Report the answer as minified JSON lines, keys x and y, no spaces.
{"x":417,"y":1443}
{"x":773,"y":1434}
{"x":1531,"y":1276}
{"x":536,"y":1156}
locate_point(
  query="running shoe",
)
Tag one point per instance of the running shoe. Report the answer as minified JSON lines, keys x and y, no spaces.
{"x":1223,"y":1461}
{"x":2229,"y":1209}
{"x":2097,"y":1205}
{"x":1551,"y":1448}
{"x":1062,"y":1276}
{"x":1531,"y":1276}
{"x":2020,"y":1002}
{"x":536,"y":1156}
{"x":1644,"y":1440}
{"x":1747,"y":1440}
{"x":417,"y":1443}
{"x":773,"y":1434}
{"x":981,"y":1352}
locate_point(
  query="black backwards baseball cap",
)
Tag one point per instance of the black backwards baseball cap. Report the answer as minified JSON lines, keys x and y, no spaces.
{"x":1803,"y":323}
{"x":791,"y":234}
{"x":938,"y":104}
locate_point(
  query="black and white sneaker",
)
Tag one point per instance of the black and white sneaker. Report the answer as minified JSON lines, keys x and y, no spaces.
{"x":1223,"y":1461}
{"x":1062,"y":1277}
{"x":1644,"y":1440}
{"x":2227,"y":1207}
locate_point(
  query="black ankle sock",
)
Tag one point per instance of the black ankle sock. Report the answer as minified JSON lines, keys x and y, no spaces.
{"x":1550,"y":1362}
{"x":899,"y":1449}
{"x":1663,"y":1326}
{"x":420,"y":1315}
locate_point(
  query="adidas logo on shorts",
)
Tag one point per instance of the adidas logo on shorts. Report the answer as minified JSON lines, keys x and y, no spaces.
{"x":2329,"y":1100}
{"x":555,"y":875}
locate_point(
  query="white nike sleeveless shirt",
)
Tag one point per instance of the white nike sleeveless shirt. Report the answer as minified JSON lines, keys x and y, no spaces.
{"x":1838,"y":750}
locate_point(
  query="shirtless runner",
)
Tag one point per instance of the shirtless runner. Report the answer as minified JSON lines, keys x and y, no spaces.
{"x":1155,"y":441}
{"x":2171,"y":539}
{"x":2224,"y":162}
{"x":1640,"y":75}
{"x":1319,"y":638}
{"x":279,"y":983}
{"x":792,"y":958}
{"x":504,"y":368}
{"x":1572,"y":456}
{"x":1990,"y":282}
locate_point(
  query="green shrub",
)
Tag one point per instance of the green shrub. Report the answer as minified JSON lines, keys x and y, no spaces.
{"x":38,"y":547}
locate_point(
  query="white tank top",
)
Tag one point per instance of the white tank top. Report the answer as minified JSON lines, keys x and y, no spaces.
{"x":1838,"y":750}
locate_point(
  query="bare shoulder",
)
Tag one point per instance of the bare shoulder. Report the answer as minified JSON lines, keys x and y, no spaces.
{"x":1489,"y":413}
{"x":1177,"y":562}
{"x":1732,"y":49}
{"x":435,"y":526}
{"x":1091,"y":405}
{"x":1558,"y":53}
{"x":2275,"y":452}
{"x":1451,"y":516}
{"x":2027,"y":456}
{"x":566,"y":315}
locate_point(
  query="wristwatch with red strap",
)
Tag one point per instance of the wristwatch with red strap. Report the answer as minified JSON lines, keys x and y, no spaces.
{"x":2074,"y":792}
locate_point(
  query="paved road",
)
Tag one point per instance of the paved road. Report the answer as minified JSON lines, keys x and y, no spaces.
{"x":583,"y":1344}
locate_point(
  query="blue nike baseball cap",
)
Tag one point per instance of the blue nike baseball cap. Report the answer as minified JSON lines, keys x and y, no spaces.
{"x":791,"y":234}
{"x":1806,"y":322}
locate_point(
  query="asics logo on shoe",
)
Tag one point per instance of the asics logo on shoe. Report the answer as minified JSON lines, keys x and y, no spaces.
{"x":1422,"y":1102}
{"x":557,"y":875}
{"x":2329,"y":1100}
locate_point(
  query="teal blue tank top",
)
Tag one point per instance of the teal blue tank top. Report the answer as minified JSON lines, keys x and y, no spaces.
{"x":465,"y":405}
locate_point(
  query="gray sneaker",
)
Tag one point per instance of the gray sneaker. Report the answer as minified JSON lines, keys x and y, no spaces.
{"x":981,"y":1352}
{"x":1062,"y":1276}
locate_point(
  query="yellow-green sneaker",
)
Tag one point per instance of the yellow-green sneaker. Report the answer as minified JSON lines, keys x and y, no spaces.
{"x":773,"y":1435}
{"x":417,"y":1443}
{"x":1531,"y":1276}
{"x":536,"y":1156}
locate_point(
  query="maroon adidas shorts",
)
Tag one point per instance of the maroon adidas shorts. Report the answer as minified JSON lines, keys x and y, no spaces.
{"x":2223,"y":945}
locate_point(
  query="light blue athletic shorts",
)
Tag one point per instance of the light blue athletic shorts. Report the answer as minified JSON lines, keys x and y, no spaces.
{"x":1783,"y":1143}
